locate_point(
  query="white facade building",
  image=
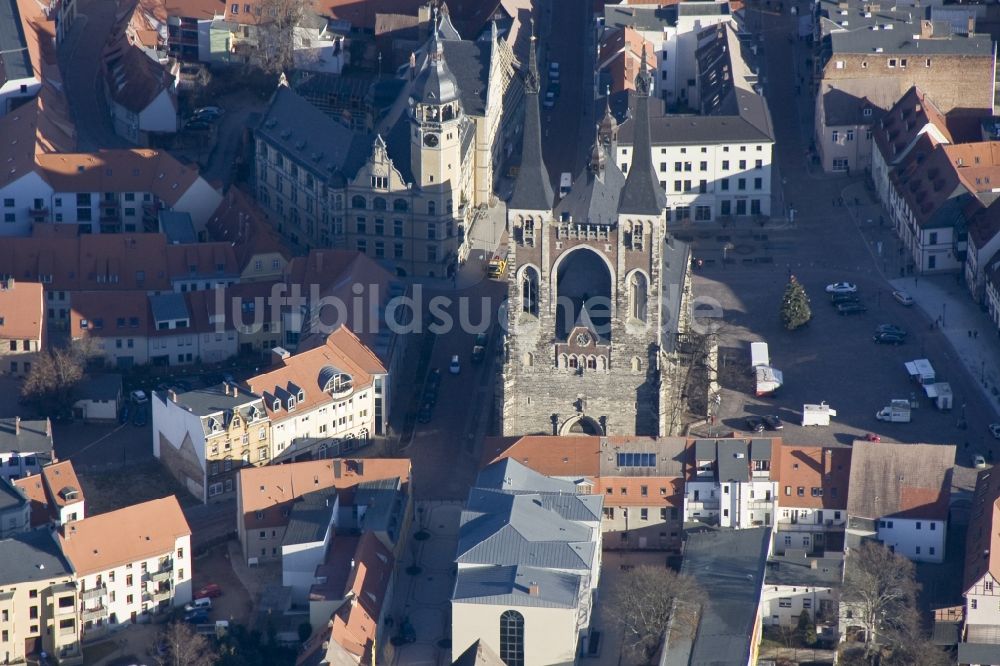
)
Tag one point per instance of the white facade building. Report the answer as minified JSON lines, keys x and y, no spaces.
{"x":132,"y":562}
{"x":330,"y":395}
{"x":529,"y":599}
{"x":731,"y":484}
{"x":794,"y":582}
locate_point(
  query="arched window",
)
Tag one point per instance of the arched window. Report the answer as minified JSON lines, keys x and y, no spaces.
{"x":399,"y":204}
{"x":512,"y":638}
{"x":529,"y":291}
{"x":431,"y":208}
{"x":358,"y":201}
{"x":528,"y":360}
{"x":573,"y":362}
{"x":378,"y":203}
{"x":602,"y":363}
{"x":563,"y":361}
{"x":591,"y":363}
{"x":636,"y":364}
{"x":638,"y":295}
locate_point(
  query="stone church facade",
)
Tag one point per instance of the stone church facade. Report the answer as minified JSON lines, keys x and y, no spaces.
{"x":597,"y":291}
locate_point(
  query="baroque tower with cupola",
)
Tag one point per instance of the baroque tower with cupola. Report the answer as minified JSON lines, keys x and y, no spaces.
{"x":597,"y":289}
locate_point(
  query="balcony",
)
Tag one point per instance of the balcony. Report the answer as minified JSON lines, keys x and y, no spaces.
{"x":93,"y":614}
{"x":38,"y":214}
{"x":159,"y":576}
{"x":163,"y":595}
{"x":93,"y":593}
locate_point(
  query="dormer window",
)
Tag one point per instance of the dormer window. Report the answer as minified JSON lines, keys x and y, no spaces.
{"x":291,"y":404}
{"x":276,"y":407}
{"x":302,"y":396}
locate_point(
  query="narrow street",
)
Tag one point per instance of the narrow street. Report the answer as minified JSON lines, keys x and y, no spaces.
{"x":80,"y":63}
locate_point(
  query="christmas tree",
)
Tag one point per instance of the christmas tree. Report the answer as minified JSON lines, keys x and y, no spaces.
{"x":795,"y":310}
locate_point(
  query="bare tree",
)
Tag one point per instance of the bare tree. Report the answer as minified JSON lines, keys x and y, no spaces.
{"x":276,"y":22}
{"x":880,"y":593}
{"x":50,"y":384}
{"x":647,"y":599}
{"x":184,"y":647}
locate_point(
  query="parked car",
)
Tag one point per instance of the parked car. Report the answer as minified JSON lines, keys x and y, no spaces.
{"x":140,"y":418}
{"x":872,"y":437}
{"x":979,"y":462}
{"x":995,"y":429}
{"x":888,"y":339}
{"x":478,"y":353}
{"x":553,"y":66}
{"x":891,"y":328}
{"x":554,"y":87}
{"x":123,"y":414}
{"x":426,"y":413}
{"x":903,"y":297}
{"x":209,"y":591}
{"x":201,"y":603}
{"x":208,"y":113}
{"x":755,"y":424}
{"x":837,"y":299}
{"x":772,"y":422}
{"x":851,"y":308}
{"x":455,"y":366}
{"x":841,"y":288}
{"x":197,"y":616}
{"x":139,"y":397}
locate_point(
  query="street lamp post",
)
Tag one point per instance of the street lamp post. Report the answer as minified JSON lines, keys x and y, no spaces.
{"x":944,"y":312}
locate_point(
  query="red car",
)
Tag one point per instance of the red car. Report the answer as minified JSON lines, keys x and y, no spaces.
{"x":872,"y":437}
{"x":211,"y":590}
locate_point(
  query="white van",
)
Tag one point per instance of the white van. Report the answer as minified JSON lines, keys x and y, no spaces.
{"x":199,"y":604}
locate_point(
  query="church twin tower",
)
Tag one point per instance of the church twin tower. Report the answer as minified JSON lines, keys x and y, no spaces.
{"x":596,"y":288}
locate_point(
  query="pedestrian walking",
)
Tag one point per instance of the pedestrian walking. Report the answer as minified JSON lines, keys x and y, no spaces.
{"x":975,"y":335}
{"x":969,"y":333}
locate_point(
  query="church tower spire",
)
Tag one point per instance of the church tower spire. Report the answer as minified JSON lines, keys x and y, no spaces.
{"x":532,"y":190}
{"x":642,"y":194}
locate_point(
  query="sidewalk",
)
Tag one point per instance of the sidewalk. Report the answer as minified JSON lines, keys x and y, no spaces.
{"x":941,"y":296}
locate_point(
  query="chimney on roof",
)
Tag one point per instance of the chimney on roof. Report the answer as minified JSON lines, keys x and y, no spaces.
{"x":970,"y":25}
{"x":17,"y":425}
{"x":279,"y":355}
{"x":533,"y":589}
{"x":352,"y":563}
{"x":926,"y":29}
{"x":413,"y":65}
{"x":336,"y":469}
{"x":172,"y":394}
{"x":236,"y":391}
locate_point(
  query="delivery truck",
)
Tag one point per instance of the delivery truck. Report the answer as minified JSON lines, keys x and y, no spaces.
{"x":768,"y":379}
{"x":897,"y":411}
{"x":817,"y":414}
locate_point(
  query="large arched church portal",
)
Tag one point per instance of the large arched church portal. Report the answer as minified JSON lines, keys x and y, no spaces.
{"x":583,"y":293}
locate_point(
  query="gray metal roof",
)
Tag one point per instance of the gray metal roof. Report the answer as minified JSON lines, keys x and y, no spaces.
{"x":640,"y":18}
{"x":177,"y":226}
{"x":469,"y":63}
{"x":213,"y":400}
{"x":795,"y":567}
{"x":642,"y":194}
{"x":30,"y":557}
{"x":703,"y":9}
{"x":106,"y":386}
{"x":311,"y":138}
{"x":532,"y":189}
{"x":14,"y":61}
{"x":760,"y":449}
{"x":384,"y":502}
{"x":729,"y":568}
{"x":435,"y":84}
{"x":704,"y":449}
{"x":512,"y":586}
{"x":10,"y":497}
{"x":478,"y":654}
{"x":595,"y":193}
{"x":978,"y":653}
{"x":900,"y":41}
{"x":507,"y":529}
{"x":734,"y":463}
{"x":509,"y":474}
{"x":30,"y":437}
{"x":752,"y":125}
{"x":168,"y":307}
{"x":310,"y":517}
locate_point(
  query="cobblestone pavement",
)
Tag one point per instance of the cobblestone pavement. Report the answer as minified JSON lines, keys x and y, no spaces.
{"x":423,"y":595}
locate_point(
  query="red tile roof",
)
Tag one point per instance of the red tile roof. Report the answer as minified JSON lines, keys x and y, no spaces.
{"x":22,"y":310}
{"x":47,"y":492}
{"x":240,"y":221}
{"x":900,"y":480}
{"x":797,"y":466}
{"x":905,"y":120}
{"x":355,"y":624}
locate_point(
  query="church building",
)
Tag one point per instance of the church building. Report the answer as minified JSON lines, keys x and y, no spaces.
{"x":597,"y":290}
